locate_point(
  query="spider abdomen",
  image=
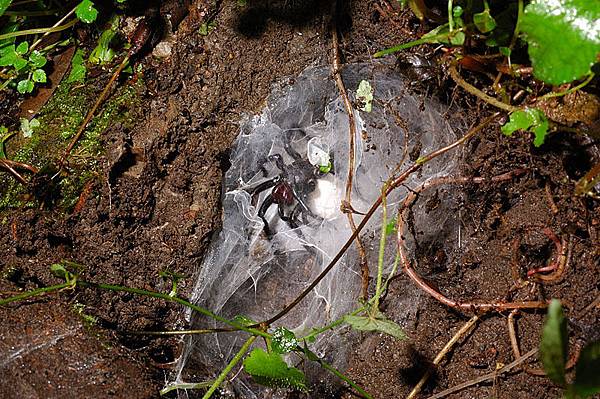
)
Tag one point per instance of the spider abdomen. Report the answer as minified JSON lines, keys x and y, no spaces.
{"x":283,"y":194}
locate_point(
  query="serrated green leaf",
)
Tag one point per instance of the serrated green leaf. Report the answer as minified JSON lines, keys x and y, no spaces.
{"x":271,"y":370}
{"x":529,"y":119}
{"x":563,"y":38}
{"x":554,"y":343}
{"x":283,"y":340}
{"x":37,"y":59}
{"x":587,"y":371}
{"x":39,"y":76}
{"x":22,"y":48}
{"x":4,"y":5}
{"x":366,"y":323}
{"x":25,"y":86}
{"x":78,"y":69}
{"x":86,"y":12}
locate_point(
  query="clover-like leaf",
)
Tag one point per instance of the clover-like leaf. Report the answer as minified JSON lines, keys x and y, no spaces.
{"x":25,"y":86}
{"x":271,"y":370}
{"x":37,"y":59}
{"x":39,"y":76}
{"x":86,"y":12}
{"x":367,"y":323}
{"x":22,"y":48}
{"x":529,"y":119}
{"x":554,"y":343}
{"x":563,"y":38}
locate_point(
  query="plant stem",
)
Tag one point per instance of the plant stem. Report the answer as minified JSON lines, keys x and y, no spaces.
{"x":478,"y":93}
{"x":36,"y":292}
{"x":184,"y":385}
{"x":378,"y":287}
{"x":166,"y":297}
{"x":238,"y":356}
{"x":332,"y":325}
{"x":38,"y":30}
{"x":341,"y":376}
{"x":571,"y":90}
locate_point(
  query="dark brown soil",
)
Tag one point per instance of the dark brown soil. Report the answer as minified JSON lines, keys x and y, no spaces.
{"x":159,"y":203}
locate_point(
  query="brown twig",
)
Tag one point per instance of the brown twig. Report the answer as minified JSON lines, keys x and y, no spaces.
{"x":514,"y":342}
{"x":485,"y":377}
{"x":420,"y":282}
{"x":12,"y":171}
{"x":397,"y":181}
{"x":449,"y":345}
{"x":478,"y":93}
{"x":347,"y":203}
{"x":550,"y":198}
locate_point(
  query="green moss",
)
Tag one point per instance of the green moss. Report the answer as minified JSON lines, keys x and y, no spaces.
{"x":59,"y":121}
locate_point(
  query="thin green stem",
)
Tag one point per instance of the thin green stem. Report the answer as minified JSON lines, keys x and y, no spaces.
{"x":36,"y":292}
{"x":184,"y":385}
{"x":571,"y":90}
{"x":380,"y":259}
{"x":238,"y":356}
{"x":181,"y":332}
{"x":38,"y":30}
{"x":341,"y":376}
{"x":39,"y":13}
{"x":450,"y":16}
{"x":166,"y":297}
{"x":332,"y":325}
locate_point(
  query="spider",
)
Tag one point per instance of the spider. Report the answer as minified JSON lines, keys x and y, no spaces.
{"x":290,"y":188}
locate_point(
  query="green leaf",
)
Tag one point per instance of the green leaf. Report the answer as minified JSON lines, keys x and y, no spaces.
{"x":86,"y":12}
{"x":59,"y":270}
{"x":271,"y":370}
{"x":25,"y":86}
{"x":529,"y":119}
{"x":27,"y":126}
{"x":22,"y":48}
{"x":563,"y":38}
{"x":102,"y":53}
{"x":4,"y":5}
{"x":37,"y":59}
{"x":587,"y":371}
{"x":206,"y":28}
{"x":366,"y":323}
{"x":19,"y":63}
{"x":244,"y":320}
{"x":554,"y":343}
{"x":8,"y":55}
{"x":284,"y":340}
{"x":364,"y":93}
{"x":39,"y":76}
{"x":390,"y":227}
{"x":484,"y":22}
{"x":78,"y":69}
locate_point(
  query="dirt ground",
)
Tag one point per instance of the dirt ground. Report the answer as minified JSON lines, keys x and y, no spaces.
{"x":158,"y":203}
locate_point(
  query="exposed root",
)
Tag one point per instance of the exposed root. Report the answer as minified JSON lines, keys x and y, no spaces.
{"x":449,"y":345}
{"x":421,"y":283}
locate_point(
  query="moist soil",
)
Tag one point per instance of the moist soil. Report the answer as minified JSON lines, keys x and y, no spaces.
{"x":157,"y":204}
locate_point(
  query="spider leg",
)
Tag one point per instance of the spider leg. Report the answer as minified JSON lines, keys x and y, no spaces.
{"x":255,"y":192}
{"x":291,"y":218}
{"x":261,"y":213}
